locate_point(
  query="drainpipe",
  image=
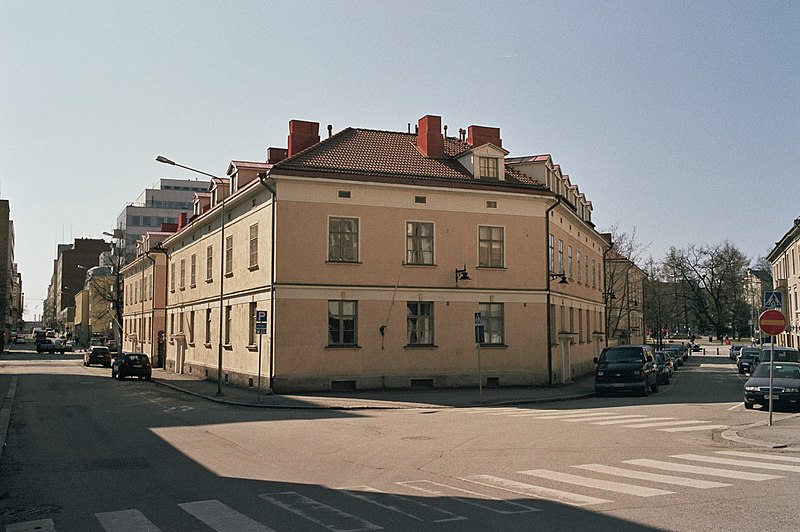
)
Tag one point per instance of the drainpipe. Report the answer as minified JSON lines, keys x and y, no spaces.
{"x":262,"y":177}
{"x":549,"y":313}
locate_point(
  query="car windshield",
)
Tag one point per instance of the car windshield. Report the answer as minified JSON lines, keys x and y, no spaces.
{"x":100,"y":350}
{"x":781,"y":355}
{"x":139,"y":359}
{"x":623,"y":354}
{"x":780,"y":371}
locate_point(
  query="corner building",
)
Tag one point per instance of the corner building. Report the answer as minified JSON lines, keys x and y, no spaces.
{"x":372,"y":252}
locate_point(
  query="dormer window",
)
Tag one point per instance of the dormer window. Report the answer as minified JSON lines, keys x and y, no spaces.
{"x":488,"y":167}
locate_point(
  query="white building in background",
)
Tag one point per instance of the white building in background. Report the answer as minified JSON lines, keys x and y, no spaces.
{"x":162,"y":203}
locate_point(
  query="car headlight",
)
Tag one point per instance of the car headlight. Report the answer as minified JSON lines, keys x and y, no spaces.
{"x":600,"y":373}
{"x":791,"y":390}
{"x":751,"y":388}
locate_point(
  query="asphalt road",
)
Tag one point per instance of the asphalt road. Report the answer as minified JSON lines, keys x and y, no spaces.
{"x":85,"y":452}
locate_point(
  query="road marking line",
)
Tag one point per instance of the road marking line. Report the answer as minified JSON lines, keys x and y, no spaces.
{"x":470,"y":497}
{"x":621,"y":421}
{"x":740,"y":463}
{"x":125,"y":521}
{"x":697,"y":427}
{"x":397,"y":500}
{"x":662,"y":424}
{"x":700,"y":470}
{"x":574,"y":415}
{"x":318,"y":512}
{"x":222,"y":518}
{"x":537,"y":492}
{"x":763,"y":456}
{"x":654,"y":477}
{"x":40,"y":525}
{"x":619,"y":487}
{"x":734,"y":407}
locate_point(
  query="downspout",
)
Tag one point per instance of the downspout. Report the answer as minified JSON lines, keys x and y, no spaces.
{"x":549,"y":313}
{"x":272,"y":190}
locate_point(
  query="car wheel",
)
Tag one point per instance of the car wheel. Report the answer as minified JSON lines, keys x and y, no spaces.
{"x":113,"y":374}
{"x":120,"y":376}
{"x":748,"y":406}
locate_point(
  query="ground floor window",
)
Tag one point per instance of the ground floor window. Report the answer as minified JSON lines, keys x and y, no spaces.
{"x":342,"y":317}
{"x":420,"y":323}
{"x":493,"y":321}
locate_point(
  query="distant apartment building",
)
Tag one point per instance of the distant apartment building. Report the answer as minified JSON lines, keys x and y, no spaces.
{"x":785,"y":261}
{"x":69,"y":275}
{"x":10,"y":280}
{"x":373,"y":254}
{"x":162,"y":203}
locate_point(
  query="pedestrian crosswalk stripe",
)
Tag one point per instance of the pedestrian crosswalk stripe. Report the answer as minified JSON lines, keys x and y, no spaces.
{"x":538,"y":492}
{"x":587,"y":482}
{"x":696,"y":427}
{"x":762,"y":456}
{"x":653,"y":477}
{"x":318,"y":512}
{"x":662,"y":424}
{"x":740,"y":463}
{"x":621,"y":421}
{"x":487,"y":502}
{"x":402,"y":505}
{"x":582,"y":416}
{"x":546,"y":414}
{"x":125,"y":521}
{"x":628,"y":418}
{"x":221,"y":517}
{"x":700,"y":470}
{"x":40,"y":525}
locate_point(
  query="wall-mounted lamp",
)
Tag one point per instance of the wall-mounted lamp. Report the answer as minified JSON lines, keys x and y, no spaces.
{"x":462,"y":275}
{"x":609,"y":296}
{"x":562,"y":276}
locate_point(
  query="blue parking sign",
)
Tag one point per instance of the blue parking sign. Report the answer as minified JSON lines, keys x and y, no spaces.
{"x":773,"y":299}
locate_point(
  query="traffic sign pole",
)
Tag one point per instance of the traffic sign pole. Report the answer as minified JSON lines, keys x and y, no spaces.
{"x":773,"y":323}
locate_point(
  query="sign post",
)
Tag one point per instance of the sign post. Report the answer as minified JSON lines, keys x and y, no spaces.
{"x":480,"y":331}
{"x":261,"y":330}
{"x":773,"y":323}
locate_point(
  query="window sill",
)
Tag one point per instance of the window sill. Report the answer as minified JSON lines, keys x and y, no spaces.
{"x":228,"y":274}
{"x":193,"y":285}
{"x":501,"y":268}
{"x":190,"y":344}
{"x":210,"y":280}
{"x":252,"y":347}
{"x":229,"y":347}
{"x":253,"y":268}
{"x":343,"y":347}
{"x":415,"y":264}
{"x":207,"y":345}
{"x":343,"y":262}
{"x":494,"y":346}
{"x":421,"y":346}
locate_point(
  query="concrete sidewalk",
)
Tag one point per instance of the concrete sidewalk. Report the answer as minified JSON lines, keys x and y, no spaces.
{"x":376,"y":399}
{"x":783,"y":434}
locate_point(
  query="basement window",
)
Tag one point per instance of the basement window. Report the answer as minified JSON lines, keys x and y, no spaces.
{"x":420,"y":199}
{"x":344,"y":194}
{"x":491,"y":204}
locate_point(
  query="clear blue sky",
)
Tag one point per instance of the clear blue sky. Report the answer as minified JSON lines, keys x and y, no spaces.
{"x":680,"y":120}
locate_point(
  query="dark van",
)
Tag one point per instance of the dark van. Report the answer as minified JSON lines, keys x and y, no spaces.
{"x":626,"y":368}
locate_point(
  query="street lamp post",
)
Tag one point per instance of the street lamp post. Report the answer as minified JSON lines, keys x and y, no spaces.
{"x":164,"y":160}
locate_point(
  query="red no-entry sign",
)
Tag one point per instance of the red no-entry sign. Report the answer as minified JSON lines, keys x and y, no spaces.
{"x":772,"y":322}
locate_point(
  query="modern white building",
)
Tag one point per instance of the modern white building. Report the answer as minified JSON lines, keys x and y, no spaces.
{"x":162,"y":203}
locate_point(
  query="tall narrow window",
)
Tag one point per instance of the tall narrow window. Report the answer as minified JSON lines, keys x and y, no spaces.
{"x":193,"y":270}
{"x":493,"y":320}
{"x":191,"y":326}
{"x":579,"y":267}
{"x":208,"y":325}
{"x":420,"y":323}
{"x":491,"y":246}
{"x":560,"y":256}
{"x":569,"y":261}
{"x":183,"y":274}
{"x":254,"y":246}
{"x":551,"y":259}
{"x":251,"y":335}
{"x":594,"y":273}
{"x":419,"y":243}
{"x":229,"y":255}
{"x":172,"y":277}
{"x":228,"y":325}
{"x":209,"y":263}
{"x":342,"y":318}
{"x":343,"y":239}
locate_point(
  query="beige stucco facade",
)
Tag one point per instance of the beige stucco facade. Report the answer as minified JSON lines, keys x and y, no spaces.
{"x":144,"y":303}
{"x":785,"y":261}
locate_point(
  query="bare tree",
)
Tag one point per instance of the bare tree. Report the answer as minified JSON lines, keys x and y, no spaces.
{"x":623,"y":276}
{"x":105,"y":283}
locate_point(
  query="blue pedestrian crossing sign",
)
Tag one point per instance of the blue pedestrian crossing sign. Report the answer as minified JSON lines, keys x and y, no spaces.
{"x":261,"y":322}
{"x":773,"y":299}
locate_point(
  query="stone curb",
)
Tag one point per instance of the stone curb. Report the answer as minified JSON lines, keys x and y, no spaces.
{"x":375,"y":407}
{"x":733,"y":435}
{"x":5,"y":413}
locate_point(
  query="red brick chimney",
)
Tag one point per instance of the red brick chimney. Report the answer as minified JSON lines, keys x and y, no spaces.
{"x":276,"y":155}
{"x":480,"y":135}
{"x":182,"y":219}
{"x":429,"y":137}
{"x":302,"y":135}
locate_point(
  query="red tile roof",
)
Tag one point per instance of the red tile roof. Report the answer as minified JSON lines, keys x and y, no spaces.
{"x":392,"y":155}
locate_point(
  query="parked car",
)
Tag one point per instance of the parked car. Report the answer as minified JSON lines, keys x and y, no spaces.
{"x":745,"y":363}
{"x":782,"y":354}
{"x":97,"y":355}
{"x":664,"y":362}
{"x":785,"y":386}
{"x":131,"y":365}
{"x":626,"y":367}
{"x":679,"y":350}
{"x":47,"y":345}
{"x":676,"y":354}
{"x":695,"y":348}
{"x":735,"y":351}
